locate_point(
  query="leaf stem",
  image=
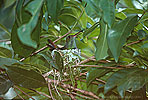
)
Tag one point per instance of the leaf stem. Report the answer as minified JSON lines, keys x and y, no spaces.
{"x":23,"y":92}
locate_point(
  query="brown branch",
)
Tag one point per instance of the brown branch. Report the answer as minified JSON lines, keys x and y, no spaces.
{"x":73,"y":88}
{"x":97,"y":66}
{"x":43,"y":48}
{"x":79,"y":90}
{"x":100,"y":80}
{"x":6,"y":40}
{"x":49,"y":88}
{"x":71,"y":95}
{"x":135,"y":42}
{"x":86,"y":60}
{"x":23,"y":92}
{"x":41,"y":93}
{"x":82,"y":96}
{"x":18,"y":94}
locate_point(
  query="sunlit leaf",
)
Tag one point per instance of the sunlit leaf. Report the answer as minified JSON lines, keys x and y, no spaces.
{"x":118,"y":34}
{"x":101,"y":44}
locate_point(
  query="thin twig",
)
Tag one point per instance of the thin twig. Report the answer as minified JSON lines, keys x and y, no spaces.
{"x":135,"y":42}
{"x":100,"y":80}
{"x":18,"y":94}
{"x":49,"y":88}
{"x":6,"y":40}
{"x":97,"y":66}
{"x":142,"y":15}
{"x":82,"y":96}
{"x":73,"y":88}
{"x":82,"y":91}
{"x":71,"y":95}
{"x":86,"y":60}
{"x":41,"y":93}
{"x":24,"y":92}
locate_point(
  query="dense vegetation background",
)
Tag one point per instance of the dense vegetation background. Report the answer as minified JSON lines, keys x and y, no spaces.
{"x":74,"y":49}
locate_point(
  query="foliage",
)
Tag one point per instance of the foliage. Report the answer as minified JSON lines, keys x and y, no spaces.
{"x":74,"y":49}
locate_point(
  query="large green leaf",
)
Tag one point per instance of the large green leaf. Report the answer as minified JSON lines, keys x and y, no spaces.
{"x":118,"y":34}
{"x":5,"y":84}
{"x":101,"y":45}
{"x":134,"y":82}
{"x":104,"y":9}
{"x":54,"y":7}
{"x":133,"y":78}
{"x":25,"y":78}
{"x":7,"y":61}
{"x":73,"y":12}
{"x":95,"y":4}
{"x":108,"y":10}
{"x":22,"y":18}
{"x":24,"y":31}
{"x":94,"y":73}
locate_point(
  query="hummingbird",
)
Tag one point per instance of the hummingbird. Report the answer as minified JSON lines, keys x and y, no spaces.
{"x":70,"y":43}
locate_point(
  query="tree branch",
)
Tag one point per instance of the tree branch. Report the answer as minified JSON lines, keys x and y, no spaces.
{"x":41,"y":93}
{"x":97,"y":66}
{"x":73,"y":88}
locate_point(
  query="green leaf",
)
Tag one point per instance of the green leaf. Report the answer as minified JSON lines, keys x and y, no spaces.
{"x":22,"y":18}
{"x":94,"y":73}
{"x":108,"y":10}
{"x":95,"y":4}
{"x":7,"y":61}
{"x":47,"y":56}
{"x":131,"y":78}
{"x":4,"y":52}
{"x":25,"y":78}
{"x":104,"y":9}
{"x":91,"y":29}
{"x":5,"y":85}
{"x":101,"y":45}
{"x":133,"y":11}
{"x":118,"y":34}
{"x":134,"y":82}
{"x":5,"y":29}
{"x":120,"y":15}
{"x":24,"y":32}
{"x":54,"y":7}
{"x":141,"y":34}
{"x":116,"y":77}
{"x":9,"y":3}
{"x":129,"y":3}
{"x":58,"y":60}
